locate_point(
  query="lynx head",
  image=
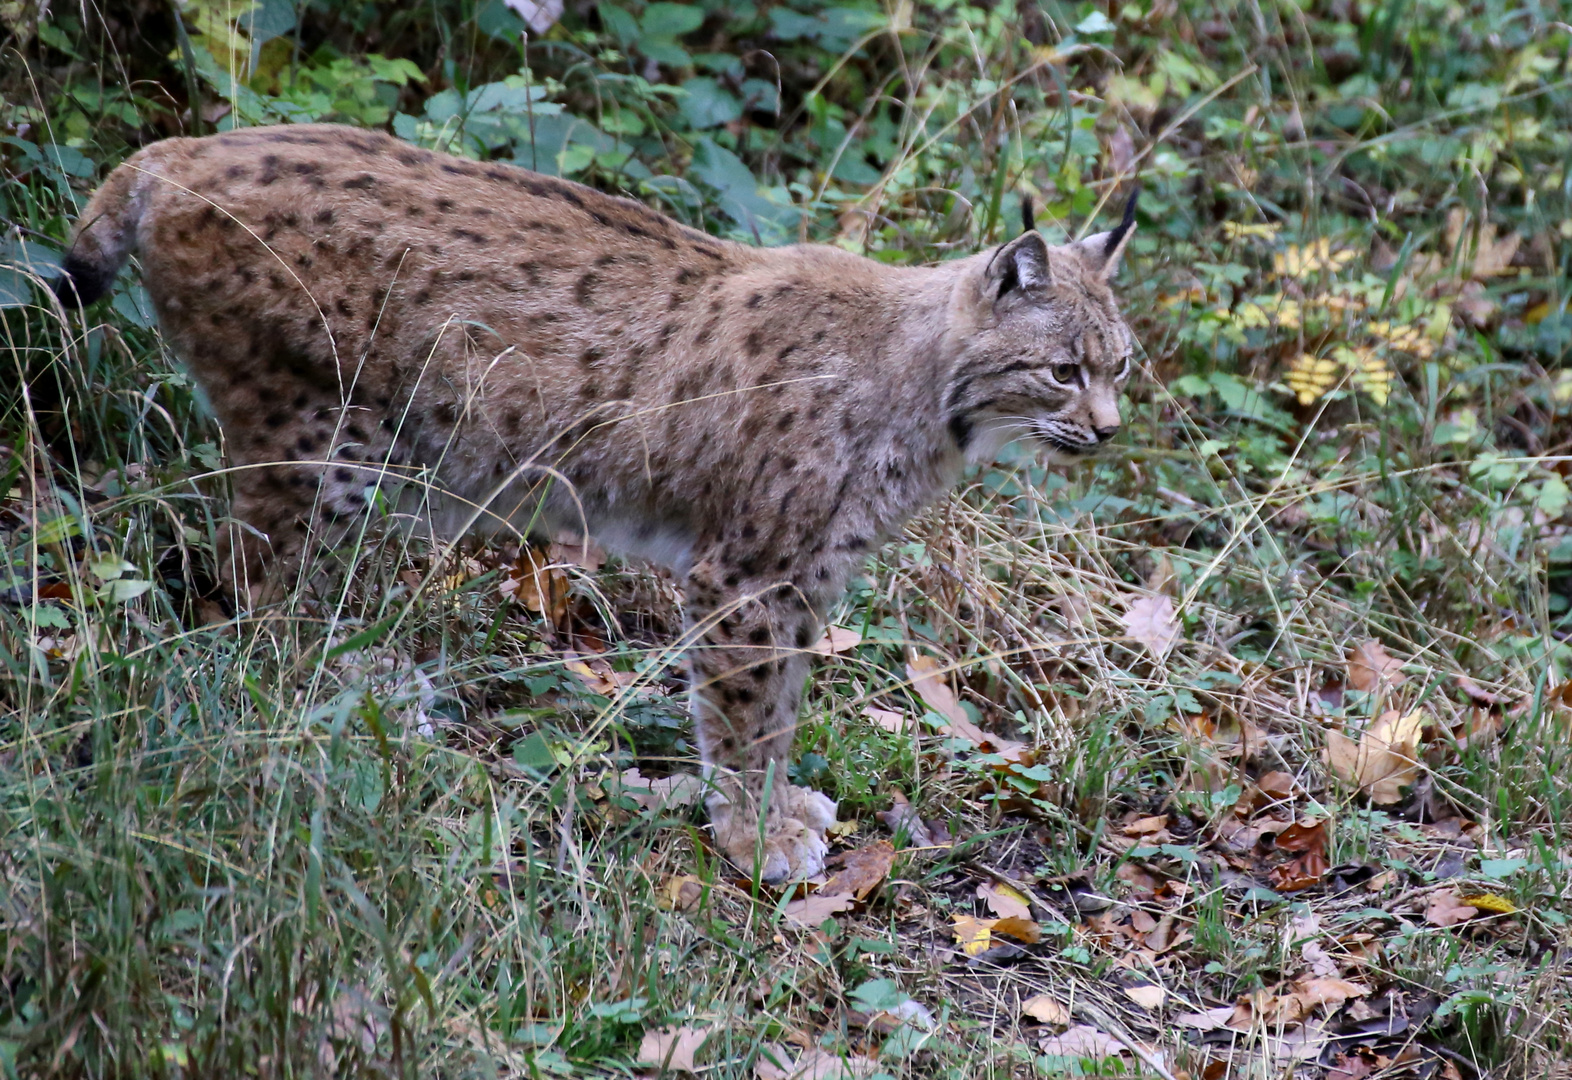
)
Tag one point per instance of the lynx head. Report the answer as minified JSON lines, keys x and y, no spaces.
{"x":1047,"y":352}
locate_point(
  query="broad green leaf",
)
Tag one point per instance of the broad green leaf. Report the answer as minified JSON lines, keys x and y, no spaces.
{"x":670,"y":20}
{"x":708,"y":104}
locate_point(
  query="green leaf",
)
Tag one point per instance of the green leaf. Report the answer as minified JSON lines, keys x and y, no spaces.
{"x":56,"y":529}
{"x":622,"y":25}
{"x":1501,"y":869}
{"x":878,"y":995}
{"x":788,"y":25}
{"x":369,"y":636}
{"x":123,"y":589}
{"x":534,"y":754}
{"x":1553,"y":496}
{"x":738,"y":192}
{"x":110,"y":568}
{"x":48,"y":615}
{"x":670,"y":20}
{"x":708,"y":104}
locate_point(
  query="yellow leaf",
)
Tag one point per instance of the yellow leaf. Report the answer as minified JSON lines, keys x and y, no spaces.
{"x":1235,"y":230}
{"x":1367,"y":371}
{"x":972,"y":934}
{"x":1309,"y":377}
{"x":1312,"y":258}
{"x":1496,"y":905}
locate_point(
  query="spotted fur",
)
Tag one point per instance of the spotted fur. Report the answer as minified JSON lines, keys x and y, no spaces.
{"x":359,"y":310}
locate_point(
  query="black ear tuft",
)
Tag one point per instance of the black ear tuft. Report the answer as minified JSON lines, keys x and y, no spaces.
{"x":1028,"y":215}
{"x":1116,"y":237}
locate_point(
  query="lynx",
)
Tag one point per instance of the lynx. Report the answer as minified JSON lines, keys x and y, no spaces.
{"x":360,"y":311}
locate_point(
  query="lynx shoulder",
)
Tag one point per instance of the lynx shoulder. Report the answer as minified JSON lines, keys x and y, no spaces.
{"x":362,"y":313}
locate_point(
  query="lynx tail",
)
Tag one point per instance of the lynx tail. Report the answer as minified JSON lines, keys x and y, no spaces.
{"x":106,"y":233}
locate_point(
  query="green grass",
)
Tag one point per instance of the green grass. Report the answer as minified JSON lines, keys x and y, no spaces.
{"x":379,"y":830}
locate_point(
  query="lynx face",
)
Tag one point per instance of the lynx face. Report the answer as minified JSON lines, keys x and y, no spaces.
{"x":1052,"y":355}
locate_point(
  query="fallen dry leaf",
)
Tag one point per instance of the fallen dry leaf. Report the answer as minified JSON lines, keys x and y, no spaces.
{"x":1304,"y":930}
{"x":862,"y":870}
{"x":662,"y":792}
{"x":1146,"y":826}
{"x":1003,"y":901}
{"x":1150,"y":620}
{"x":1277,"y":785}
{"x":1478,"y":694}
{"x":1385,"y":760}
{"x":538,"y":584}
{"x":814,"y":1064}
{"x":1149,"y":996}
{"x":1446,"y":908}
{"x":1496,"y":905}
{"x":673,"y":1048}
{"x":1082,"y":1041}
{"x":927,"y":676}
{"x":811,"y":911}
{"x":890,"y":720}
{"x":1370,"y":668}
{"x":680,"y":892}
{"x":1349,"y":1067}
{"x":1492,"y":256}
{"x":1328,"y":992}
{"x":1045,"y":1009}
{"x":1207,"y":1019}
{"x":597,"y":675}
{"x":1307,"y":834}
{"x":569,"y":547}
{"x":1025,"y":930}
{"x":902,"y":815}
{"x":927,"y":679}
{"x":860,"y":873}
{"x":1293,"y":1002}
{"x":836,"y":639}
{"x":972,"y":934}
{"x":975,"y":936}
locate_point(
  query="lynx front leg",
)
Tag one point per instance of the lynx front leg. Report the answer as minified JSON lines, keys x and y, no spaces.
{"x":749,"y":664}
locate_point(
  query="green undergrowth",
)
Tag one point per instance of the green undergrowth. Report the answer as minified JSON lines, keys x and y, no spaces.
{"x":380,"y":830}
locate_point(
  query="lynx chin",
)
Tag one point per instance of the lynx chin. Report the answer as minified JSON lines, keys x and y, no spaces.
{"x":360,"y":312}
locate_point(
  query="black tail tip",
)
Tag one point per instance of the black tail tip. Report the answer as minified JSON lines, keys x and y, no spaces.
{"x":80,"y":282}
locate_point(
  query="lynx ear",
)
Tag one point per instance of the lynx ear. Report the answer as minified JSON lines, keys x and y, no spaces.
{"x":1101,"y":251}
{"x":1020,"y":264}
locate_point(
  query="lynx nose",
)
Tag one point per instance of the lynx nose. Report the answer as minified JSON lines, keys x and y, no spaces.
{"x":1105,"y":433}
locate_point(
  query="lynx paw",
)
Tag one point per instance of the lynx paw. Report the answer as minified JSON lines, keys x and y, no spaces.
{"x":793,"y":845}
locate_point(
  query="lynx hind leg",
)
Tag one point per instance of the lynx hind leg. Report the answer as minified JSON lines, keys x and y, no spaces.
{"x":749,"y":666}
{"x":303,"y":490}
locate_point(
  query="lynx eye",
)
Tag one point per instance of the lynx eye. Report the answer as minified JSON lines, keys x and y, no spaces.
{"x":1124,"y":372}
{"x":1067,"y":374}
